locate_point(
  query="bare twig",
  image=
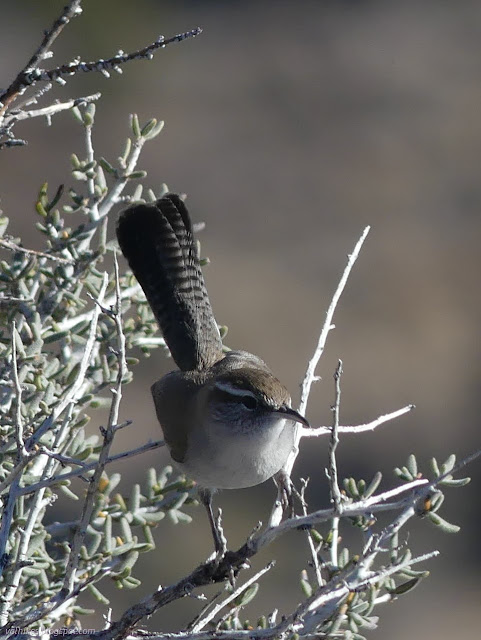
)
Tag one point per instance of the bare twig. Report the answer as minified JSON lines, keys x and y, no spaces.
{"x":309,"y":376}
{"x":380,"y":502}
{"x":310,"y":541}
{"x":210,"y":572}
{"x":218,"y":571}
{"x":34,"y":97}
{"x":31,"y":74}
{"x":360,"y":428}
{"x":64,"y":460}
{"x":311,"y":368}
{"x":336,"y":497}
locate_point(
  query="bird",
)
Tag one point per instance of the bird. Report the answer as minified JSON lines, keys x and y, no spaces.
{"x":227,"y":420}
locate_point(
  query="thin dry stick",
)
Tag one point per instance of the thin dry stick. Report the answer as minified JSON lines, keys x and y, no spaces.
{"x":64,"y":460}
{"x":310,"y":541}
{"x":359,"y":428}
{"x":311,"y":368}
{"x":332,"y":473}
{"x":51,"y":110}
{"x":309,"y":377}
{"x":336,"y":497}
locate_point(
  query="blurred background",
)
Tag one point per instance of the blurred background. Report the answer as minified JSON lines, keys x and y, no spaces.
{"x":291,"y":126}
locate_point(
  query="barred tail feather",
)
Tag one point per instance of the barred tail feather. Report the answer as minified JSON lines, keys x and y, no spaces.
{"x":159,"y":245}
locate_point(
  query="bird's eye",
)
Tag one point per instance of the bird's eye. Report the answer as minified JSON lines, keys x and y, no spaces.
{"x":249,"y":402}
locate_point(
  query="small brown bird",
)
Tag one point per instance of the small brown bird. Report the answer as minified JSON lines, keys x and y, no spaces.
{"x":226,"y":418}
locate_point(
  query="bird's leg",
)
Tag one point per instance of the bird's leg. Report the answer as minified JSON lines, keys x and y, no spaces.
{"x":286,"y":490}
{"x":285,"y":500}
{"x":220,"y":542}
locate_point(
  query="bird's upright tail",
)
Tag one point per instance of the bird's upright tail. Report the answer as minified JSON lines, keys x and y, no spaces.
{"x":158,"y":242}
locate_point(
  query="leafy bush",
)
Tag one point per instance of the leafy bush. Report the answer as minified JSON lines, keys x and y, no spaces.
{"x":69,"y":321}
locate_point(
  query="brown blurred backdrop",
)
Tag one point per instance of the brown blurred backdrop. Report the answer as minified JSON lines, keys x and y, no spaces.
{"x":292,"y":125}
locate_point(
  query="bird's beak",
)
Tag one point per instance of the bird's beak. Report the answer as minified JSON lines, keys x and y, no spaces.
{"x":292,"y":414}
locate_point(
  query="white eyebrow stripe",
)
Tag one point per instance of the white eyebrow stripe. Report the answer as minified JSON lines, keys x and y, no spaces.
{"x":227,"y":387}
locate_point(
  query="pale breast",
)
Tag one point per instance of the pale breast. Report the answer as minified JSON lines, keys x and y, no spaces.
{"x":220,"y":461}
